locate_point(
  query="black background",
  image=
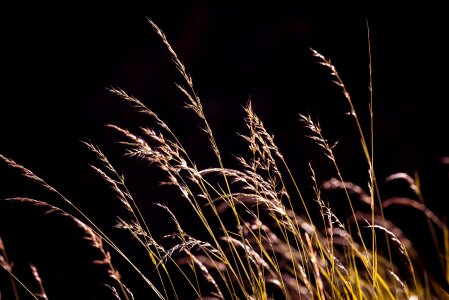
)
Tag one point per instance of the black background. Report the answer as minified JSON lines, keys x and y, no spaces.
{"x":57,"y":65}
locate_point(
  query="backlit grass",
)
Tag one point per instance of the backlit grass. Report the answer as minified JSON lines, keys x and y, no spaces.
{"x":258,"y":238}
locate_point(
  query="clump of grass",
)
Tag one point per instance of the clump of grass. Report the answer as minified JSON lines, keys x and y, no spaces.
{"x":260,"y":240}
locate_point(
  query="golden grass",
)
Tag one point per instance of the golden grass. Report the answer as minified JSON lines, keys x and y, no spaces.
{"x":262,"y":242}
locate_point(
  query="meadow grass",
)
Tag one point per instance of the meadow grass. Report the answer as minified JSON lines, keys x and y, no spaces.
{"x":258,"y":238}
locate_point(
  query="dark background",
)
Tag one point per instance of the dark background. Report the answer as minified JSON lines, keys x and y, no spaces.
{"x":56,"y":66}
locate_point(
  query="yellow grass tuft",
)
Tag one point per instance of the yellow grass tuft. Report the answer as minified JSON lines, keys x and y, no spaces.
{"x":260,"y":238}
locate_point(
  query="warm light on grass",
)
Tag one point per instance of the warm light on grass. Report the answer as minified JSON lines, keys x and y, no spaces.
{"x":261,"y":240}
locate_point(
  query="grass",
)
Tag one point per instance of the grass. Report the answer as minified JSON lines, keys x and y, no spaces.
{"x":258,"y":237}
